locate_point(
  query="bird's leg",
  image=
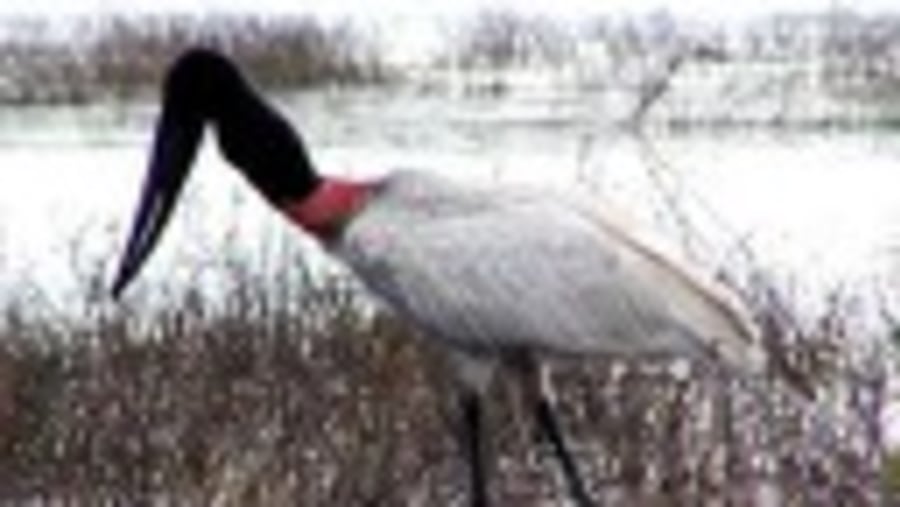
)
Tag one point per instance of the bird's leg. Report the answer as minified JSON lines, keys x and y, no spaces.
{"x":537,"y":392}
{"x":549,"y":425}
{"x":472,"y":422}
{"x":473,"y":375}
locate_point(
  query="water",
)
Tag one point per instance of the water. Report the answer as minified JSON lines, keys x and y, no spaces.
{"x":819,"y":207}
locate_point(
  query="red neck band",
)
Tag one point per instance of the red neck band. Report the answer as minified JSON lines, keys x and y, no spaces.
{"x":330,"y":206}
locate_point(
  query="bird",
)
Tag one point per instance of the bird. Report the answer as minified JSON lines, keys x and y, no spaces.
{"x":502,"y":278}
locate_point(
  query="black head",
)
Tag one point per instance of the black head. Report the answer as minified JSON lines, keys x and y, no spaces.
{"x":203,"y":87}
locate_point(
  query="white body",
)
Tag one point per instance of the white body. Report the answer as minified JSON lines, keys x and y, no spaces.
{"x":489,"y":271}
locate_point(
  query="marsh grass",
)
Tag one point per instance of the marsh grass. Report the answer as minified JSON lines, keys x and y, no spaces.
{"x":774,"y":74}
{"x":118,"y":58}
{"x":283,"y":387}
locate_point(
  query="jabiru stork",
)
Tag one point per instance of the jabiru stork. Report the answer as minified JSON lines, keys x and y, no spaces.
{"x":501,"y":278}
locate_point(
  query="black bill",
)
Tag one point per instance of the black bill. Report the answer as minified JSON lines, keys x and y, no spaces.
{"x":178,"y":136}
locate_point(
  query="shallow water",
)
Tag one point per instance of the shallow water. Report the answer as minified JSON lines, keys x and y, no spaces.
{"x":819,"y":208}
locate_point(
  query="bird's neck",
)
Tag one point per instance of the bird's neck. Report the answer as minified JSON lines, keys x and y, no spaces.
{"x":332,"y":205}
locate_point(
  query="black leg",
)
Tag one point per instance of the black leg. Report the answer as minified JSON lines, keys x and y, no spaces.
{"x":473,"y":448}
{"x":549,"y":427}
{"x":535,"y":389}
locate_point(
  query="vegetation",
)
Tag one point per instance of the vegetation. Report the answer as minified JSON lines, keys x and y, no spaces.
{"x":810,"y":71}
{"x":504,"y":39}
{"x":276,"y":383}
{"x":121,"y":58}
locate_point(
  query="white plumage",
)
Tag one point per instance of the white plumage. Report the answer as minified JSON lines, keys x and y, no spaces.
{"x":488,"y":270}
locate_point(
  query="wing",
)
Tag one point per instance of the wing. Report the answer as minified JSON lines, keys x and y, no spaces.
{"x":501,"y":271}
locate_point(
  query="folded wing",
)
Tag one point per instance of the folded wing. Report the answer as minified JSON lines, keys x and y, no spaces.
{"x":486,"y":271}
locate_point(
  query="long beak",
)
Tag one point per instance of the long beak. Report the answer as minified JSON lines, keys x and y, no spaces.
{"x":178,"y":136}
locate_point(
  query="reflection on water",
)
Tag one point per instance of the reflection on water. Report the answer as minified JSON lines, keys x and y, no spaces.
{"x":817,"y":206}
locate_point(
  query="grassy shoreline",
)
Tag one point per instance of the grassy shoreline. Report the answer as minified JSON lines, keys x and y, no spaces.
{"x":759,"y":68}
{"x":275,"y":388}
{"x":123,"y":58}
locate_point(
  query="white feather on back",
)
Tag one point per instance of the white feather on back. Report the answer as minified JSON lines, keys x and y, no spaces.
{"x":489,"y":270}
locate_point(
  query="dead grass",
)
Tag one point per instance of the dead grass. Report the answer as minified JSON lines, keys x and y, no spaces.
{"x":116,"y":58}
{"x":287,"y":387}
